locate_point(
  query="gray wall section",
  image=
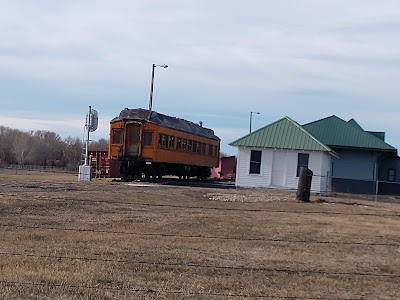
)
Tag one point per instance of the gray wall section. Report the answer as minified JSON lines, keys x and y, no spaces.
{"x":355,"y":165}
{"x":386,"y":188}
{"x":340,"y":185}
{"x":353,"y":172}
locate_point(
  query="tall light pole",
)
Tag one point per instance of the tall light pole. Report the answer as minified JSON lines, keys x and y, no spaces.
{"x":152,"y":84}
{"x":251,"y":116}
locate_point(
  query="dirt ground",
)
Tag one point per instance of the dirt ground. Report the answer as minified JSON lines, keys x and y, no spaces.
{"x":64,"y":239}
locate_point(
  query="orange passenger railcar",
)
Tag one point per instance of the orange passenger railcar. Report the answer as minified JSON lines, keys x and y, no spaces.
{"x":152,"y":144}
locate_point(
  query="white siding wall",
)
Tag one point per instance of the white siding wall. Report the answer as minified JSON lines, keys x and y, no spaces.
{"x":243,"y":178}
{"x":285,"y":176}
{"x":279,"y":166}
{"x":326,"y":172}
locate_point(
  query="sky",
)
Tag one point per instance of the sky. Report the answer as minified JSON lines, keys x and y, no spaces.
{"x":306,"y":59}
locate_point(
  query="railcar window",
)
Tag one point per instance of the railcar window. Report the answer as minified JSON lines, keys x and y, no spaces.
{"x":164,"y":141}
{"x":179,"y":143}
{"x":210,"y":149}
{"x":190,"y":145}
{"x":148,"y":138}
{"x":216,"y":151}
{"x":172,"y":142}
{"x":194,"y":146}
{"x":203,"y":148}
{"x":184,"y":143}
{"x":198,"y":147}
{"x":117,"y":137}
{"x":160,"y":140}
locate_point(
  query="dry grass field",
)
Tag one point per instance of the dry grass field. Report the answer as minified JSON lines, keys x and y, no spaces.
{"x":63,"y":239}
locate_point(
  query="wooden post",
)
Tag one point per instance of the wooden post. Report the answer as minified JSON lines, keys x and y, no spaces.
{"x":301,"y":184}
{"x":304,"y":185}
{"x":307,"y":187}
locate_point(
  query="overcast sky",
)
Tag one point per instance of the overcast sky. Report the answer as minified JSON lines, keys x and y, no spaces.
{"x":306,"y":59}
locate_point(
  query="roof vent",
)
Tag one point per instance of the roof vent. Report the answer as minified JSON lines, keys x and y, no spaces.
{"x":201,"y":123}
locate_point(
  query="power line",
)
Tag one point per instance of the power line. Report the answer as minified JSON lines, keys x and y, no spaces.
{"x":216,"y":208}
{"x":154,"y":291}
{"x":203,"y":266}
{"x":199,"y":236}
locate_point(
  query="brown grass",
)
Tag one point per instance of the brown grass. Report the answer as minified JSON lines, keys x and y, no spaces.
{"x":63,"y":239}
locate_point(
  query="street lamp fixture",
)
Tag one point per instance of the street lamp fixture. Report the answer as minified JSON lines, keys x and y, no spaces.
{"x":251,"y":116}
{"x":152,"y":84}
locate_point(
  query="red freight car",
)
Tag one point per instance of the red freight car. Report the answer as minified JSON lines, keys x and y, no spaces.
{"x":99,"y":163}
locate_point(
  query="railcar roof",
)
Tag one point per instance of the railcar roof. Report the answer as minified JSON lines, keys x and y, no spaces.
{"x":140,"y":114}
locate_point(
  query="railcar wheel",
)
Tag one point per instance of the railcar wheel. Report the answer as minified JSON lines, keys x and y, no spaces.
{"x":161,"y":171}
{"x":153,"y":171}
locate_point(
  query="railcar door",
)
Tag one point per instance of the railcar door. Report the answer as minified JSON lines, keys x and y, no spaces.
{"x":133,"y":140}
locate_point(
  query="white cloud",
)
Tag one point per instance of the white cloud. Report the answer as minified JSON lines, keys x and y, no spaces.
{"x":64,"y":127}
{"x":306,"y":59}
{"x":228,"y":135}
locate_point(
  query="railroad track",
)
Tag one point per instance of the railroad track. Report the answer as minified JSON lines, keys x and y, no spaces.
{"x":183,"y":182}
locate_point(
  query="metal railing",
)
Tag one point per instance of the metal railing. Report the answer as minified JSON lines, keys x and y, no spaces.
{"x":370,"y":188}
{"x":23,"y":168}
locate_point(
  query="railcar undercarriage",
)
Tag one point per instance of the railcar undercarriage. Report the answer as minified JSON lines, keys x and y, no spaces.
{"x":135,"y":168}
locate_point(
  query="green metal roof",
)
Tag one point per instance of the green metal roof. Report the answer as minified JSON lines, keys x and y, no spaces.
{"x":282,"y":134}
{"x":354,"y":122}
{"x":380,"y":135}
{"x":335,"y":132}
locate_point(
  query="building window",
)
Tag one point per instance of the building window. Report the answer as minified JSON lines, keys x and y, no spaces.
{"x":255,"y":162}
{"x":172,"y":142}
{"x":302,"y":161}
{"x":391,"y":175}
{"x":117,"y":137}
{"x":148,"y":138}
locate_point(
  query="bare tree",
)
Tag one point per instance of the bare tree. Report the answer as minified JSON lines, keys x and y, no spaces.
{"x":21,"y":146}
{"x":100,"y":145}
{"x":44,"y":148}
{"x":6,"y":145}
{"x":47,"y":148}
{"x":72,"y":152}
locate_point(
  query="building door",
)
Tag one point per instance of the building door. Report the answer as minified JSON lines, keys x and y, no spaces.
{"x":133,"y":139}
{"x":278,"y":176}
